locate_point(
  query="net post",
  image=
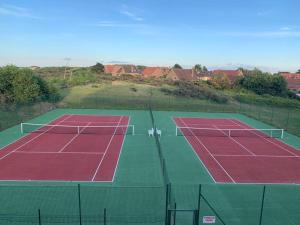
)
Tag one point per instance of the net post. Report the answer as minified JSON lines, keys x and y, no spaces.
{"x":22,"y":131}
{"x":262,"y":205}
{"x":229,"y":133}
{"x":271,"y":133}
{"x":79,"y":204}
{"x":282,"y":131}
{"x":133,"y":131}
{"x":39,"y":216}
{"x":78,"y":130}
{"x":176,"y":132}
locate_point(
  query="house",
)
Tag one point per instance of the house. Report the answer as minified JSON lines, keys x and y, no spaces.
{"x":293,"y":80}
{"x":182,"y":74}
{"x":116,"y":70}
{"x":288,"y":75}
{"x":232,"y":75}
{"x":205,"y":76}
{"x":155,"y":71}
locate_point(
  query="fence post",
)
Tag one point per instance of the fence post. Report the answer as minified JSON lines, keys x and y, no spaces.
{"x":167,"y":203}
{"x":79,"y":204}
{"x":104,"y":216}
{"x":199,"y":202}
{"x":272,"y":117}
{"x":287,"y":120}
{"x":39,"y":214}
{"x":262,"y":205}
{"x":174,"y":214}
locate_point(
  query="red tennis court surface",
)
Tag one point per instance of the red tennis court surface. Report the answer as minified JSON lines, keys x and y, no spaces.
{"x":66,"y":156}
{"x":245,"y":159}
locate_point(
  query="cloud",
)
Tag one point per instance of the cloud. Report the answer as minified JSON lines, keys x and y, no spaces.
{"x":265,"y":12}
{"x":16,"y":11}
{"x":264,"y":34}
{"x":113,"y":24}
{"x":233,"y":66}
{"x":117,"y":62}
{"x":132,"y":13}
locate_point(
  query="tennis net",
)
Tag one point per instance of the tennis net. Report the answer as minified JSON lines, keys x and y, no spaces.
{"x":215,"y":132}
{"x":65,"y":129}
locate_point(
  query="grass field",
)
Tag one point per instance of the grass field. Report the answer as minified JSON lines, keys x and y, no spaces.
{"x":138,"y":194}
{"x":121,"y":94}
{"x":128,"y":95}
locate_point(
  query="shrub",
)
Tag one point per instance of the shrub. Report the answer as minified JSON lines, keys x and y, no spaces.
{"x":195,"y":90}
{"x":220,"y":82}
{"x":133,"y":89}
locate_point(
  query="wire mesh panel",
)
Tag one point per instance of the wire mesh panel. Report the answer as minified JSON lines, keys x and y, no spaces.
{"x":21,"y":203}
{"x":125,"y":205}
{"x":86,"y":205}
{"x":281,"y":205}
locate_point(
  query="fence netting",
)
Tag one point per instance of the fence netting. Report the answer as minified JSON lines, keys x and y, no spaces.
{"x":236,"y":204}
{"x":87,"y":205}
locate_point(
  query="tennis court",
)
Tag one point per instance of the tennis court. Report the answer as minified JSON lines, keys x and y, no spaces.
{"x":69,"y":148}
{"x":234,"y":152}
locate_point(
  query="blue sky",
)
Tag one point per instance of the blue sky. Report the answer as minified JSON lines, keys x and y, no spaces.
{"x":216,"y":33}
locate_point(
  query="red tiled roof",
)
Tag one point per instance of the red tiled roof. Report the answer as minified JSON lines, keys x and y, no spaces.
{"x":121,"y":69}
{"x":231,"y":74}
{"x":293,"y":80}
{"x":227,"y":72}
{"x":288,"y":75}
{"x":182,"y":74}
{"x":109,"y":68}
{"x":155,"y":71}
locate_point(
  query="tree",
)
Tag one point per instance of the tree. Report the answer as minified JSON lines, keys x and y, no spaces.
{"x":220,"y":82}
{"x":22,"y":86}
{"x":198,"y":68}
{"x":204,"y":69}
{"x":25,"y":87}
{"x":177,"y":66}
{"x":140,"y":67}
{"x":7,"y":75}
{"x":298,"y":71}
{"x":263,"y":83}
{"x":98,"y":68}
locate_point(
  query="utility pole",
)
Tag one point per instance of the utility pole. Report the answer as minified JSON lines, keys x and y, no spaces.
{"x":67,"y":64}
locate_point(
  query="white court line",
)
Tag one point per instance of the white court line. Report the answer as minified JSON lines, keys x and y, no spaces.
{"x":244,"y":147}
{"x":66,"y":145}
{"x":243,"y":126}
{"x":211,"y":155}
{"x":30,"y":140}
{"x":208,"y":124}
{"x":117,"y":165}
{"x":74,"y":121}
{"x":251,"y":156}
{"x":87,"y":153}
{"x":106,"y":150}
{"x":193,"y":150}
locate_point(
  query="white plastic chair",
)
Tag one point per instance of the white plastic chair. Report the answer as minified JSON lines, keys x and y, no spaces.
{"x":158,"y":132}
{"x":151,"y":132}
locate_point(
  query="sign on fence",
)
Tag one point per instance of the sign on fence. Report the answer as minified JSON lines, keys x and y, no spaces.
{"x":209,"y":219}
